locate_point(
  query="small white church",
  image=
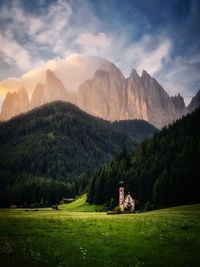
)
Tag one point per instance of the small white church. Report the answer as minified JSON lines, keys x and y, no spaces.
{"x":127,"y":202}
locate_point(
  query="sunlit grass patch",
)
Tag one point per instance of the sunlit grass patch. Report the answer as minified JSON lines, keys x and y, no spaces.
{"x":81,"y":205}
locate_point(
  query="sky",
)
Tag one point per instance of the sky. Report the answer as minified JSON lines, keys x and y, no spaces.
{"x":160,"y":36}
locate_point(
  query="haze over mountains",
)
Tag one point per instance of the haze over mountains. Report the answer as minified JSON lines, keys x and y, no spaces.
{"x":108,"y":95}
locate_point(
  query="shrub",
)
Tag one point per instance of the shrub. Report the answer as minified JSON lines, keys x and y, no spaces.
{"x":54,"y":207}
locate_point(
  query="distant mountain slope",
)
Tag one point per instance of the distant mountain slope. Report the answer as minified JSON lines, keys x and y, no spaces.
{"x":57,"y":141}
{"x":163,"y":171}
{"x":195,"y":102}
{"x":111,"y":96}
{"x":136,"y":129}
{"x":14,"y":103}
{"x":108,"y":95}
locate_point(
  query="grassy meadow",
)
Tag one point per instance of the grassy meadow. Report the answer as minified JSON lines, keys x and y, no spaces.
{"x":80,"y":204}
{"x":81,"y":237}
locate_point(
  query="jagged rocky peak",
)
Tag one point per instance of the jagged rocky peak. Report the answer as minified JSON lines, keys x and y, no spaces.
{"x":109,"y":67}
{"x":37,"y":95}
{"x":39,"y":86}
{"x":107,"y":71}
{"x":112,"y":69}
{"x":52,"y":79}
{"x":54,"y":88}
{"x":146,"y":79}
{"x":104,"y":94}
{"x":134,"y":76}
{"x":144,"y":73}
{"x":178,"y":101}
{"x":23,"y":99}
{"x":100,"y":73}
{"x":149,"y":101}
{"x":195,"y":102}
{"x":109,"y":95}
{"x":50,"y":74}
{"x":134,"y":73}
{"x":15,"y":103}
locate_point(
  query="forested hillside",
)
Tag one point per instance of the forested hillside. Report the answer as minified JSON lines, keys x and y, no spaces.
{"x":163,"y":171}
{"x":47,"y":153}
{"x":136,"y":129}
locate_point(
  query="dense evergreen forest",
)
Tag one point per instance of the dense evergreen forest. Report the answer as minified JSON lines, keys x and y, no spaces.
{"x":163,"y":171}
{"x":136,"y":129}
{"x":49,"y":152}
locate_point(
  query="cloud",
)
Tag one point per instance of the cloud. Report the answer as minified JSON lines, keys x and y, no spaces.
{"x":77,"y":67}
{"x":13,"y":53}
{"x":9,"y":85}
{"x":62,"y":34}
{"x":63,"y":28}
{"x":152,"y":60}
{"x":148,"y":54}
{"x":98,"y":40}
{"x":72,"y":71}
{"x":182,"y":76}
{"x":30,"y":38}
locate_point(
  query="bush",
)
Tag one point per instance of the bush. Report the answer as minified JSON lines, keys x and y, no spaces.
{"x":54,"y":207}
{"x":117,"y":209}
{"x":148,"y":206}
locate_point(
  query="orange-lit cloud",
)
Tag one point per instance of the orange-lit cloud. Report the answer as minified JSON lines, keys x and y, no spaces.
{"x":9,"y":85}
{"x":72,"y":71}
{"x":68,"y":32}
{"x":98,"y":40}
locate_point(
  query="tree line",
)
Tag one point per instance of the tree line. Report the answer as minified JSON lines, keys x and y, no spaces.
{"x":163,"y":171}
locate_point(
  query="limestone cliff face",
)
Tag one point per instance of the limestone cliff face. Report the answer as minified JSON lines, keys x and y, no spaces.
{"x":14,"y":104}
{"x":195,"y":102}
{"x":179,"y":104}
{"x":37,"y":96}
{"x":104,"y":94}
{"x":52,"y":90}
{"x":178,"y":101}
{"x":110,"y":96}
{"x":152,"y":101}
{"x":18,"y":102}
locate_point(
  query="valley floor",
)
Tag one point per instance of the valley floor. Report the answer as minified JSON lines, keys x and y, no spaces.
{"x":168,"y":237}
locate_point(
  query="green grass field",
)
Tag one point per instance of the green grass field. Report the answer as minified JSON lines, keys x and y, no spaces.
{"x":80,"y":204}
{"x":169,"y":237}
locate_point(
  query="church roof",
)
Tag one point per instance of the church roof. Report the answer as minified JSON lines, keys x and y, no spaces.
{"x":128,"y":198}
{"x":121,"y":183}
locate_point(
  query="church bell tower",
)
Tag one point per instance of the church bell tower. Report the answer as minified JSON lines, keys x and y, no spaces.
{"x":121,"y":196}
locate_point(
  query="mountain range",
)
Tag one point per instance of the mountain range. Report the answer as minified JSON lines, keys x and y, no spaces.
{"x":108,"y":95}
{"x":48,"y":152}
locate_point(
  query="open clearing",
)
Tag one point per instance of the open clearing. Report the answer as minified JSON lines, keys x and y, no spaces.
{"x":168,"y":237}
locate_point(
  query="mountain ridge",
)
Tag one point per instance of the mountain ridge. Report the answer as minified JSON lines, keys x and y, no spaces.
{"x":111,"y":96}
